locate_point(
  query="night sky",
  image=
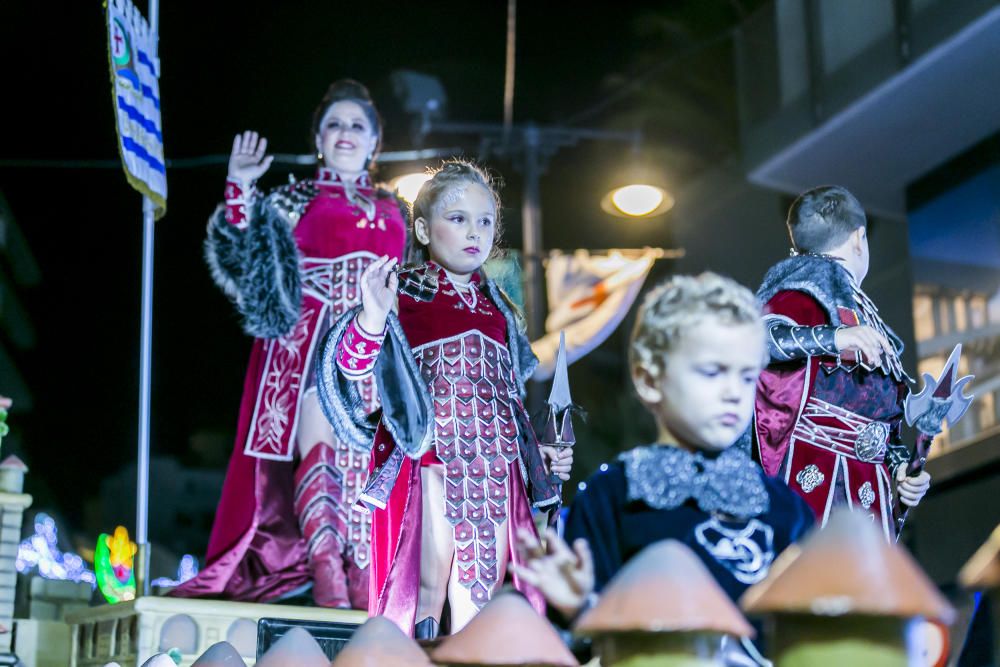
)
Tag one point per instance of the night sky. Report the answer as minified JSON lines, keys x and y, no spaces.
{"x":230,"y":66}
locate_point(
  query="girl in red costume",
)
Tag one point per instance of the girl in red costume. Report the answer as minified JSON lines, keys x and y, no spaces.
{"x":291,"y":260}
{"x":456,"y":468}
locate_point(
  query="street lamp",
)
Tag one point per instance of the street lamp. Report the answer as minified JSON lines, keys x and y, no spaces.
{"x":636,"y":192}
{"x":637,"y":200}
{"x":408,"y":185}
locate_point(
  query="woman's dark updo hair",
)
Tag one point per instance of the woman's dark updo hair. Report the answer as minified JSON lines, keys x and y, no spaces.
{"x":348,"y":90}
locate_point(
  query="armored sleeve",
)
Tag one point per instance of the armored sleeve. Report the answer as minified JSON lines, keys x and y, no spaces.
{"x":797,"y":328}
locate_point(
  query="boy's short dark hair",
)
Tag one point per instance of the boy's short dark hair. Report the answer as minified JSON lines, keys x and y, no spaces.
{"x":822,"y":218}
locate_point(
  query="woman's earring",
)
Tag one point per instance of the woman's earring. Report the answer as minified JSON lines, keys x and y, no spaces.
{"x":319,"y":155}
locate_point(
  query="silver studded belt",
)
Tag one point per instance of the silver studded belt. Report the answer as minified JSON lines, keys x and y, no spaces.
{"x":847,"y":433}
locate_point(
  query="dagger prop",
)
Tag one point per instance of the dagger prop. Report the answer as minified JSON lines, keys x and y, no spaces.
{"x":559,"y":419}
{"x":940,"y":400}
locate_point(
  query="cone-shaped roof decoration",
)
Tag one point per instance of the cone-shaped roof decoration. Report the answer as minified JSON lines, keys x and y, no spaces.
{"x":221,"y":654}
{"x":296,"y":648}
{"x":508,"y":631}
{"x":847,"y":568}
{"x":380,"y":643}
{"x":665,"y":588}
{"x":983,"y":569}
{"x":160,"y":660}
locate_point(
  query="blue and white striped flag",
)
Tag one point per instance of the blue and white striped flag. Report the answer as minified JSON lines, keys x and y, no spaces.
{"x":135,"y":91}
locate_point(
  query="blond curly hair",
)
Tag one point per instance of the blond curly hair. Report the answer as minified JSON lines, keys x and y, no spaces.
{"x":673,"y":307}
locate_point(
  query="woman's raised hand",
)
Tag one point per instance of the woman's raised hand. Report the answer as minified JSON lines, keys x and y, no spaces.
{"x":378,"y":294}
{"x":249,"y":160}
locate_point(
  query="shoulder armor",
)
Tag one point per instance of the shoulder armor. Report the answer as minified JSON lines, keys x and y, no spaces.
{"x":419,"y":282}
{"x":291,"y":201}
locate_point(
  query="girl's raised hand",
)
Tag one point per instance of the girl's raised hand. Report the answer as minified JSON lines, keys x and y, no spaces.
{"x":249,"y":159}
{"x":378,"y":294}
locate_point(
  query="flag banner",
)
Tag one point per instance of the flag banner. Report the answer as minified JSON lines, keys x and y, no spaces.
{"x":588,"y":296}
{"x":135,"y":92}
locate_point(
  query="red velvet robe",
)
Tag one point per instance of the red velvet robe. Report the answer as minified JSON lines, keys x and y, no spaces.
{"x":256,"y":552}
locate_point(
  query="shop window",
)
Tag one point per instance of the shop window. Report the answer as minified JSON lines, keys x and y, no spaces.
{"x":923,"y":317}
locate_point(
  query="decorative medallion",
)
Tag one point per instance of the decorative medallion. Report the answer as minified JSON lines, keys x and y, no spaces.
{"x":866,"y":495}
{"x":809,"y":478}
{"x":870,"y":445}
{"x":745,"y":550}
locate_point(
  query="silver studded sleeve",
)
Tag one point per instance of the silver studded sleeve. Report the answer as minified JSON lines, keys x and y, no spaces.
{"x":789,"y":341}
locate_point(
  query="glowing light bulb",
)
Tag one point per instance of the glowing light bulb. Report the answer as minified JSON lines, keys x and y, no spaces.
{"x":409,"y":185}
{"x":637,"y":200}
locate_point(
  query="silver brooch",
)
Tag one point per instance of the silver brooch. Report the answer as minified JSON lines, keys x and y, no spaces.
{"x":866,"y":495}
{"x":809,"y":478}
{"x":870,"y":445}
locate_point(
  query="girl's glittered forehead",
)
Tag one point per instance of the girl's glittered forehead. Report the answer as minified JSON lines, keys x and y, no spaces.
{"x":453,"y":193}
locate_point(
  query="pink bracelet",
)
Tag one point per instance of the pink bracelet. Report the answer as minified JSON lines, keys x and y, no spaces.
{"x":236,"y":202}
{"x":358,"y":351}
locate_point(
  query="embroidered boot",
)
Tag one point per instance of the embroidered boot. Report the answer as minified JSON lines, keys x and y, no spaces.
{"x":321,"y":520}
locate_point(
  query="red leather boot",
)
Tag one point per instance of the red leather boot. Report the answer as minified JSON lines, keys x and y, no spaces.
{"x":318,"y":496}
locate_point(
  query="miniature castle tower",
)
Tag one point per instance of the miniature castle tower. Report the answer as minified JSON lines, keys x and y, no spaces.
{"x":12,"y":505}
{"x":662,"y":609}
{"x":221,"y":654}
{"x":380,"y":643}
{"x":296,"y":648}
{"x":982,"y":573}
{"x":845,"y":597}
{"x":509,"y":632}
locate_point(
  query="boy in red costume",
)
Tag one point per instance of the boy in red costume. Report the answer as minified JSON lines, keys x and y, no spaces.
{"x":829,"y":405}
